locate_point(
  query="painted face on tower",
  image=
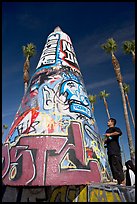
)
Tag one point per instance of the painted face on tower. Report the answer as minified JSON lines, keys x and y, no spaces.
{"x":75,"y":92}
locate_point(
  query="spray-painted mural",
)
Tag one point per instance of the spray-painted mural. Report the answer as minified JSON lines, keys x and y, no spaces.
{"x":54,"y":139}
{"x":75,"y":193}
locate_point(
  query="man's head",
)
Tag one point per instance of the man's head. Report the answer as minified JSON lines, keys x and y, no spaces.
{"x":111,"y":122}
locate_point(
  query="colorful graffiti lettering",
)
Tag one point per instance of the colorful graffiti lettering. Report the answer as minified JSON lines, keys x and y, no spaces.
{"x":73,"y":193}
{"x":49,"y":53}
{"x":44,"y":156}
{"x":69,"y":54}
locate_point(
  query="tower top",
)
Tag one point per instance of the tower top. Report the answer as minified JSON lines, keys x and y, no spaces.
{"x":57,"y":29}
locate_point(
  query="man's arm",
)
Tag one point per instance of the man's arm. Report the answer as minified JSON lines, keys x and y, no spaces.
{"x":112,"y":134}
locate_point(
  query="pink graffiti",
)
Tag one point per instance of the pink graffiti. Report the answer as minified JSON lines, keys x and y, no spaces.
{"x":22,"y":161}
{"x":35,"y":161}
{"x":5,"y":159}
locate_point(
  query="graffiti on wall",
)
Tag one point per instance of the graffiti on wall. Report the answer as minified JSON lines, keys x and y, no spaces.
{"x":65,"y":157}
{"x":54,"y":133}
{"x":58,"y":50}
{"x":73,"y":193}
{"x":49,"y":53}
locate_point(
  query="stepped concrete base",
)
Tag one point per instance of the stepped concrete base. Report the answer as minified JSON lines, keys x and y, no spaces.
{"x":101,"y":192}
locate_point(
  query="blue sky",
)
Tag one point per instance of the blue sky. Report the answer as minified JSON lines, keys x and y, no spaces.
{"x":89,"y":25}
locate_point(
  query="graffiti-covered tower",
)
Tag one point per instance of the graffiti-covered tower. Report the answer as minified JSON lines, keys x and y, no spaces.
{"x":53,"y":140}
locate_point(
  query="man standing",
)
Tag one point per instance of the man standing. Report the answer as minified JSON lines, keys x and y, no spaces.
{"x":113,"y":150}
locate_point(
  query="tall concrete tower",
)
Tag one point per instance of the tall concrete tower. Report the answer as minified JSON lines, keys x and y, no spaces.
{"x":53,"y":140}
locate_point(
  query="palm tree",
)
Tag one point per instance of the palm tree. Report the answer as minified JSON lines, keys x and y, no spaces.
{"x":110,"y":47}
{"x":4,"y":127}
{"x":129,"y":47}
{"x":92,"y":99}
{"x":103,"y":95}
{"x":126,"y":88}
{"x":29,"y":51}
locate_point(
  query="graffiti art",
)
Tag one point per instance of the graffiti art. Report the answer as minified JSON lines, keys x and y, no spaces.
{"x":54,"y":138}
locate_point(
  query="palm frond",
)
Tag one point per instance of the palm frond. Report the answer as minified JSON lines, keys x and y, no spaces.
{"x":126,"y":87}
{"x":92,"y":98}
{"x":29,"y":50}
{"x":110,"y":46}
{"x":103,"y":94}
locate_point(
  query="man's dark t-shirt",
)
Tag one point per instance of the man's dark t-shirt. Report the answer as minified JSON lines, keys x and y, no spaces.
{"x":113,"y":146}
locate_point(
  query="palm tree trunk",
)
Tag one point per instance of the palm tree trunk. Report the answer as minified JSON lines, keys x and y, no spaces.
{"x":25,"y":87}
{"x":106,"y":106}
{"x":133,"y":121}
{"x":133,"y":55}
{"x":119,"y":79}
{"x":123,"y":152}
{"x":131,"y":147}
{"x":26,"y":74}
{"x":92,"y":107}
{"x":116,"y":68}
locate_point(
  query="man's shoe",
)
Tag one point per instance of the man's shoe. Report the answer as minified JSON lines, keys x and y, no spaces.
{"x":123,"y":183}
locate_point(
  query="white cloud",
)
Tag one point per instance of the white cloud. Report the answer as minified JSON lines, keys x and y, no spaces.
{"x":89,"y":48}
{"x":9,"y":113}
{"x":126,"y":78}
